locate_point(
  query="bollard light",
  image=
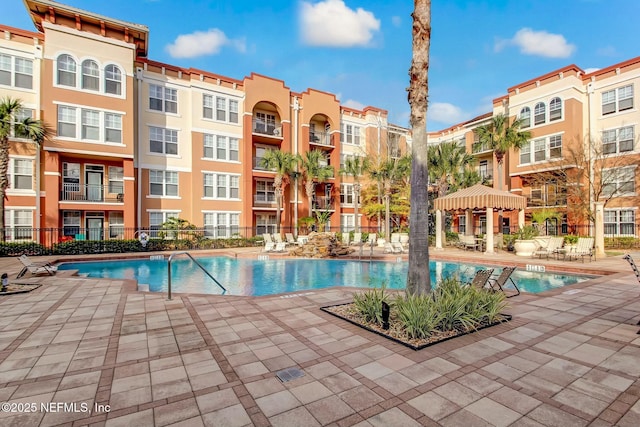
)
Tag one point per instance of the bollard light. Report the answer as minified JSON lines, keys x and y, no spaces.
{"x":385,"y":315}
{"x":5,"y":282}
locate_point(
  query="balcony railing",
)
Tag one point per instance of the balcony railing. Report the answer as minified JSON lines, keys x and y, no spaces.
{"x":478,"y":147}
{"x":548,"y":201}
{"x":258,"y":165}
{"x":264,"y":199}
{"x":320,"y":138}
{"x":270,"y":129}
{"x":89,"y":193}
{"x":323,"y":203}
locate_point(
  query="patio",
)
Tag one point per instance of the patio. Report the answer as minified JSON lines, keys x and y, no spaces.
{"x":569,"y":357}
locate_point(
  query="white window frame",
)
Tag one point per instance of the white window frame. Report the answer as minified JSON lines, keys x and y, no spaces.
{"x":167,"y":96}
{"x":18,"y":224}
{"x":265,"y":192}
{"x":113,"y":75}
{"x":613,"y":101}
{"x":220,"y":224}
{"x":223,"y":148}
{"x":223,"y":186}
{"x":617,"y":179}
{"x":525,"y":117}
{"x":14,"y":172}
{"x":613,"y":138}
{"x":155,"y":226}
{"x":546,"y":145}
{"x":13,"y":65}
{"x":220,"y":108}
{"x":462,"y":224}
{"x":19,"y":117}
{"x":75,"y":115}
{"x":90,"y":71}
{"x":116,"y":225}
{"x":71,"y":223}
{"x":555,"y":109}
{"x":168,"y":138}
{"x":348,"y":222}
{"x":620,"y":222}
{"x":168,"y":181}
{"x":539,"y":114}
{"x":266,"y":223}
{"x":350,"y":134}
{"x":347,"y":197}
{"x":116,"y":179}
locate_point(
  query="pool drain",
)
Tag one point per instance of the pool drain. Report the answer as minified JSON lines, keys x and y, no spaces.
{"x":289,"y":374}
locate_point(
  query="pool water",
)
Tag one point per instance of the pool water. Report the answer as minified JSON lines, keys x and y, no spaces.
{"x":268,"y":277}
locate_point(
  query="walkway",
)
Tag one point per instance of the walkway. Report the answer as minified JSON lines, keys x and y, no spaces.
{"x":569,"y":358}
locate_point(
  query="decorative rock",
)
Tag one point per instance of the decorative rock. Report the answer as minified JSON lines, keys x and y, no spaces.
{"x":322,"y":245}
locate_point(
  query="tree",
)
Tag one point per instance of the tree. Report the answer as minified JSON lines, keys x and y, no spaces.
{"x":283,"y":163}
{"x":27,"y":128}
{"x":500,"y":136}
{"x":449,"y":165}
{"x":314,"y":170}
{"x":418,"y":276}
{"x":355,"y":167}
{"x":392,"y":171}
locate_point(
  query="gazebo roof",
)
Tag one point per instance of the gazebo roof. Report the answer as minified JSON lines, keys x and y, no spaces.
{"x":478,"y":197}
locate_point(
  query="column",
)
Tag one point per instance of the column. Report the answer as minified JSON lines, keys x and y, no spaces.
{"x":599,"y":223}
{"x":468,"y":216}
{"x":521,"y":218}
{"x":438,"y":229}
{"x":489,"y":248}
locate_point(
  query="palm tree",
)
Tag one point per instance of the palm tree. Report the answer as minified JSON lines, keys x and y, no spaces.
{"x":448,"y":162}
{"x":315,"y":170}
{"x":27,"y":128}
{"x":356,"y":167}
{"x":500,"y":136}
{"x":283,"y":163}
{"x":418,"y":276}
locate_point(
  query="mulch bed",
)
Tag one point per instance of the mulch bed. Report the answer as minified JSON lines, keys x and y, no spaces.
{"x":17,"y":288}
{"x":349,"y":313}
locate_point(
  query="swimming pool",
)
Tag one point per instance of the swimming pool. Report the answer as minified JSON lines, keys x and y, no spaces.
{"x":268,"y":277}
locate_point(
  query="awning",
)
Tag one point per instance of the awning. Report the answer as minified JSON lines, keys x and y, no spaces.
{"x":480,"y":197}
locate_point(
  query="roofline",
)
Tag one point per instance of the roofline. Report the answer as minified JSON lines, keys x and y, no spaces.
{"x":21,"y":32}
{"x":572,"y":67}
{"x":459,"y":125}
{"x":611,"y":68}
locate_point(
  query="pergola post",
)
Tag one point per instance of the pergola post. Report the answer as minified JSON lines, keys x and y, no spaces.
{"x":438,"y":229}
{"x":521,"y":218}
{"x":489,"y":249}
{"x":468,"y":220}
{"x":599,"y":237}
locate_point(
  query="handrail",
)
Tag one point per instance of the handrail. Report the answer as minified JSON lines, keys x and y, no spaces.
{"x":197,"y":263}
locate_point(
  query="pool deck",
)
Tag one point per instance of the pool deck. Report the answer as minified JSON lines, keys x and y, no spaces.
{"x":569,"y":357}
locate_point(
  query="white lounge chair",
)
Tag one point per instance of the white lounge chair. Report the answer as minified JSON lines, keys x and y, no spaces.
{"x":584,"y":247}
{"x":357,"y":239}
{"x":290,"y":239}
{"x":35,"y":267}
{"x":395,"y":242}
{"x":371,"y":240}
{"x":345,"y":238}
{"x":269,"y":244}
{"x":551,"y":248}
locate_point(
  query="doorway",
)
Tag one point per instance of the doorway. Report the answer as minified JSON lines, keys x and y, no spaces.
{"x":94,"y":176}
{"x":95,"y":228}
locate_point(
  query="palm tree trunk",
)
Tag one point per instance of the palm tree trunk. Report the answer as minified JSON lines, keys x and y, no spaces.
{"x":387,"y":212}
{"x":419,"y":277}
{"x":4,"y":181}
{"x":356,"y":196}
{"x":278,"y":192}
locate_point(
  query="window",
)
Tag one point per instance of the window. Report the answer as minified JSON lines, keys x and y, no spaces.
{"x":96,"y":126}
{"x":619,"y":222}
{"x":163,"y":183}
{"x":350,"y":134}
{"x":71,"y":223}
{"x":6,"y":70}
{"x":266,"y":224}
{"x":221,"y":224}
{"x":483,"y":170}
{"x":543,"y":149}
{"x":226,"y":186}
{"x":525,"y":153}
{"x":265,"y":123}
{"x":66,"y":71}
{"x":90,"y":75}
{"x":618,"y":140}
{"x":619,"y":99}
{"x":116,"y":225}
{"x":71,"y":177}
{"x":16,"y":71}
{"x":112,"y":80}
{"x":164,"y":141}
{"x":347,"y":223}
{"x":539,"y":113}
{"x":116,"y":179}
{"x":221,"y":109}
{"x":156,"y":219}
{"x":226,"y":148}
{"x":555,"y":109}
{"x":226,"y":110}
{"x":346,"y":194}
{"x":619,"y":182}
{"x":539,"y":150}
{"x":20,"y":174}
{"x":21,"y":116}
{"x":233,"y":111}
{"x":462,"y":224}
{"x":555,"y":147}
{"x":163,"y":99}
{"x":18,"y":224}
{"x":525,"y":117}
{"x":265,"y":192}
{"x":207,"y":106}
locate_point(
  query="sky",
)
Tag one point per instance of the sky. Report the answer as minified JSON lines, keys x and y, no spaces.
{"x":360,"y":50}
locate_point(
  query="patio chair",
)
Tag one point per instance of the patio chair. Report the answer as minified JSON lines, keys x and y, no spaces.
{"x":290,"y":239}
{"x":277,"y":238}
{"x":584,"y":247}
{"x":481,"y":279}
{"x":498,"y":284}
{"x":357,"y":239}
{"x":390,"y":248}
{"x":371,"y":240}
{"x":468,"y":242}
{"x":395,"y":243}
{"x":280,"y":247}
{"x":35,"y":268}
{"x":345,"y":238}
{"x":269,"y":244}
{"x":551,"y":248}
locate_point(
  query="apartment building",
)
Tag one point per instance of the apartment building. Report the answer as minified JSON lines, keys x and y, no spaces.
{"x":583,"y":148}
{"x":135,"y":142}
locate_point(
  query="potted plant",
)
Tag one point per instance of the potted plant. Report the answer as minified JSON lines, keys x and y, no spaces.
{"x":524,"y":243}
{"x":570,"y":241}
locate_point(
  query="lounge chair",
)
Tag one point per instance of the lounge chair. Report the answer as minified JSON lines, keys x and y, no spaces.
{"x":35,"y":267}
{"x":395,"y":242}
{"x":357,"y":239}
{"x":371,"y":240}
{"x":481,"y":279}
{"x":277,"y":238}
{"x":584,"y":247}
{"x":269,"y":244}
{"x":280,"y":247}
{"x":390,"y":248}
{"x":498,"y":284}
{"x":345,"y":238}
{"x":552,"y":247}
{"x":468,"y":241}
{"x":290,"y":239}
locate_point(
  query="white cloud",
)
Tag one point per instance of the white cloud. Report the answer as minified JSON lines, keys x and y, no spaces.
{"x":538,"y":43}
{"x":350,"y":103}
{"x":332,"y":23}
{"x":443,"y":112}
{"x":396,"y":21}
{"x":201,"y":43}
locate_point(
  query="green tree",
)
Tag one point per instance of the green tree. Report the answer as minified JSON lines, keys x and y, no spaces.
{"x":418,"y":276}
{"x":500,"y":136}
{"x":315,"y":170}
{"x":27,"y":128}
{"x":283,"y":164}
{"x":392,"y":171}
{"x":355,"y":167}
{"x":449,"y":165}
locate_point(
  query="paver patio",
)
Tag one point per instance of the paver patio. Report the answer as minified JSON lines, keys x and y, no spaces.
{"x":569,"y":357}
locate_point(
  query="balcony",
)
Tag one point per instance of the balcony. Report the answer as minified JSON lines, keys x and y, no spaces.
{"x":89,"y":193}
{"x":257,"y":165}
{"x":538,"y":202}
{"x":320,"y":138}
{"x":265,"y":199}
{"x":323,"y":203}
{"x":478,"y":147}
{"x":268,"y":129}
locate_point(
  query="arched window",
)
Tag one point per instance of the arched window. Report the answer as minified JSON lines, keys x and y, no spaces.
{"x":113,"y":80}
{"x":539,"y":113}
{"x":90,"y":75}
{"x":525,"y":117}
{"x":66,"y":71}
{"x":555,"y":109}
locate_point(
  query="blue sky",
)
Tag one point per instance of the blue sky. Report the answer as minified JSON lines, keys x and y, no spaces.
{"x":361,"y":49}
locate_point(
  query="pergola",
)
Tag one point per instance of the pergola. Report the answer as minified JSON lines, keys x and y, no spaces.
{"x":478,"y":197}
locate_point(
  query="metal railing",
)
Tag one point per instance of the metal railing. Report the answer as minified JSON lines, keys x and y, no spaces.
{"x":89,"y":193}
{"x":264,"y":128}
{"x":480,"y":147}
{"x":323,"y":203}
{"x":320,"y":138}
{"x":224,"y":290}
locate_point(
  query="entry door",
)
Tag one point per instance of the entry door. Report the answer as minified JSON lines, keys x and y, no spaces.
{"x":95,"y":228}
{"x":94,"y":186}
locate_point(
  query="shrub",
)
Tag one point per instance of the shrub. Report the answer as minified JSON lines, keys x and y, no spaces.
{"x":369,"y":304}
{"x":570,"y":239}
{"x":22,"y":248}
{"x":417,"y":315}
{"x":457,"y":305}
{"x":528,"y":232}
